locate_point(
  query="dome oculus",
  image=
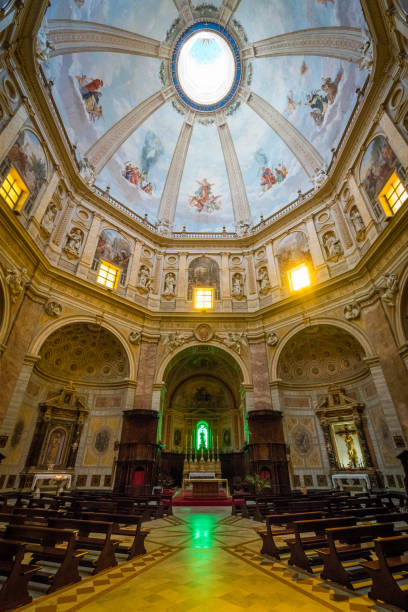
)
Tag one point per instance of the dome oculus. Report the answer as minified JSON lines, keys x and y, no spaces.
{"x":206,"y":66}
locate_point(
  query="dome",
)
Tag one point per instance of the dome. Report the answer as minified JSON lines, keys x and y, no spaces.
{"x":209,"y":122}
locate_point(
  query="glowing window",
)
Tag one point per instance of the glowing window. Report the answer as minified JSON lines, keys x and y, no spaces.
{"x":203,"y":435}
{"x":13,"y":190}
{"x":393,"y":195}
{"x":299,"y":277}
{"x":203,"y":298}
{"x":108,"y":275}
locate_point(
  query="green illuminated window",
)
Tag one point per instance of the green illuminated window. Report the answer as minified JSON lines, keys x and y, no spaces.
{"x":202,"y":435}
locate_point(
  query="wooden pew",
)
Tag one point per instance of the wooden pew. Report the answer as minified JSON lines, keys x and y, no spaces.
{"x":137,"y":547}
{"x":41,"y":542}
{"x":269,"y":545}
{"x":301,"y":543}
{"x":347,"y":544}
{"x":14,"y":591}
{"x":392,"y":558}
{"x":104,"y":545}
{"x":364,"y":512}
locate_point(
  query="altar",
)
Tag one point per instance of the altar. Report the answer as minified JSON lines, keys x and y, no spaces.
{"x":206,"y":487}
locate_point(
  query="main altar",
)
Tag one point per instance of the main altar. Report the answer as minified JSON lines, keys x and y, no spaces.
{"x":202,"y":466}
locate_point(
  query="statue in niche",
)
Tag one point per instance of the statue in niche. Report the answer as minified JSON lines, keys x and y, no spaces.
{"x":358,"y":223}
{"x":263,"y":281}
{"x":332,"y":246}
{"x":74,"y":242}
{"x":48,"y":219}
{"x":169,"y":290}
{"x":144,"y":280}
{"x":237,"y":290}
{"x":390,"y":286}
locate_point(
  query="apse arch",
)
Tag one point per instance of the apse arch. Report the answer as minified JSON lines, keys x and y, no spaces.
{"x":53,"y":326}
{"x":4,"y":308}
{"x":353,"y":330}
{"x":401,"y":309}
{"x":233,"y":357}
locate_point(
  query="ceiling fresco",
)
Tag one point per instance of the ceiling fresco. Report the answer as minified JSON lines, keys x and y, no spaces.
{"x":94,"y":90}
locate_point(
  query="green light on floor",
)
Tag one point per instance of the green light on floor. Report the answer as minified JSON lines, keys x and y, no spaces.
{"x":201,"y":529}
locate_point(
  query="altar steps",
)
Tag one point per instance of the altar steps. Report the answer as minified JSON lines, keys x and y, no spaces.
{"x":185,"y":498}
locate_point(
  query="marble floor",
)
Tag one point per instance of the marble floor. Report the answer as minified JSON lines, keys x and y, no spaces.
{"x":202,"y":559}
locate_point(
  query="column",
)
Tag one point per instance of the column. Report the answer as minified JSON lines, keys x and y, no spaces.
{"x":17,"y":345}
{"x":154,"y":296}
{"x":341,"y":226}
{"x":12,"y":129}
{"x":240,"y":205}
{"x":319,"y":263}
{"x":365,"y":210}
{"x":146,"y":371}
{"x":393,"y":368}
{"x":260,"y":371}
{"x":225,"y":283}
{"x":396,"y":141}
{"x":252,"y":298}
{"x":88,"y":253}
{"x":182,"y":281}
{"x":134,"y":271}
{"x":271,"y":265}
{"x":49,"y":191}
{"x":168,"y":201}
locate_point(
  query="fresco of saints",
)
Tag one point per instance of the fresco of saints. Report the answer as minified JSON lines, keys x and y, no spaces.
{"x":91,"y":95}
{"x":203,"y":199}
{"x":269,"y":178}
{"x":137,"y":177}
{"x":320,"y":99}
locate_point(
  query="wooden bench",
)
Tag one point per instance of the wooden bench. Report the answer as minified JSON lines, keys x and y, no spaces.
{"x":14,"y":591}
{"x":392,"y":558}
{"x":349,"y":544}
{"x":104,"y":545}
{"x":302,"y":543}
{"x":269,"y":545}
{"x":42,"y":543}
{"x":137,"y":547}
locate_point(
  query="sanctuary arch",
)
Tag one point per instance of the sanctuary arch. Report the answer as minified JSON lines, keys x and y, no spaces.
{"x":203,"y":410}
{"x":337,"y":416}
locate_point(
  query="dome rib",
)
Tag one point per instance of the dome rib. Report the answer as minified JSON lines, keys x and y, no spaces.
{"x":340,"y":42}
{"x":168,"y":202}
{"x":306,"y":154}
{"x":106,"y":146}
{"x":71,"y":36}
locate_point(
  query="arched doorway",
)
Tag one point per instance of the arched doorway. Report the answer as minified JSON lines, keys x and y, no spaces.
{"x":203,"y":411}
{"x":71,"y":413}
{"x":335,"y":419}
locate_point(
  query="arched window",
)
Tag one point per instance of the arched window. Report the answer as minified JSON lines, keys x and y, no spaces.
{"x":203,"y":436}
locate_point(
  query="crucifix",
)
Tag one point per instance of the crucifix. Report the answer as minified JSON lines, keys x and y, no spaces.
{"x":347,"y":434}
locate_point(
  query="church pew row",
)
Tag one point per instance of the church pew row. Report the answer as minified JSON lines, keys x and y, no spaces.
{"x":14,"y":590}
{"x":270,"y":545}
{"x":42,"y":543}
{"x":387,"y":570}
{"x":350,"y":544}
{"x":308,"y":534}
